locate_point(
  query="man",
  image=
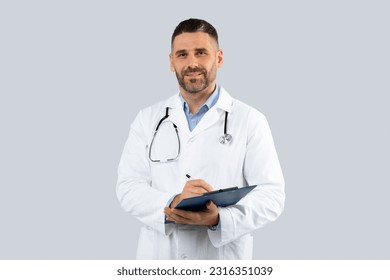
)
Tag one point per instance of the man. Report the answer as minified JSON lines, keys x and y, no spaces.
{"x":218,"y":141}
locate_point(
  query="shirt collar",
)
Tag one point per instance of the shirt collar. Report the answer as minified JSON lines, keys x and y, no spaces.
{"x":210,"y":102}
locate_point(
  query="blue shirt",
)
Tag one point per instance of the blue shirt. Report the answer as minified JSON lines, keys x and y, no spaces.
{"x":194,"y":119}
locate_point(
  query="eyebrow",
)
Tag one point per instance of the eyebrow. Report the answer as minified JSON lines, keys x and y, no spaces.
{"x":180,"y":52}
{"x":185,"y":51}
{"x":201,"y":50}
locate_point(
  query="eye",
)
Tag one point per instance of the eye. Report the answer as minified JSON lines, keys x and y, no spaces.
{"x":182,"y":55}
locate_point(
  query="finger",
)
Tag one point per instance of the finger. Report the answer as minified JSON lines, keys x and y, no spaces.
{"x":176,"y":213}
{"x":210,"y":205}
{"x":168,"y":212}
{"x":180,"y":213}
{"x":180,"y":216}
{"x":191,"y":191}
{"x":182,"y":219}
{"x":200,"y":184}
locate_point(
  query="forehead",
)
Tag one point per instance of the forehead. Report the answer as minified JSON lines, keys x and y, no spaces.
{"x":194,"y":40}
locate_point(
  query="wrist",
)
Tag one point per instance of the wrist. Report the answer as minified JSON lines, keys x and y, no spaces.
{"x":214,"y":226}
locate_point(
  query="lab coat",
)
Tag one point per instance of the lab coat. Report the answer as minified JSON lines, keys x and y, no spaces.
{"x":144,"y":187}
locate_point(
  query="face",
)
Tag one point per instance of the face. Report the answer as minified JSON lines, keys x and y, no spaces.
{"x":195,"y":58}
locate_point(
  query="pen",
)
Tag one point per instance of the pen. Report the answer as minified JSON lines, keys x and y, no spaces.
{"x":188,"y":176}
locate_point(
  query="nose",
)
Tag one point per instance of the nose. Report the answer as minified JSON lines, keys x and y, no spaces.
{"x":192,"y":61}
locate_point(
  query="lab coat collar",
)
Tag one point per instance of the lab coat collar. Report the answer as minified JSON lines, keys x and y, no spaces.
{"x":225,"y":101}
{"x":177,"y":115}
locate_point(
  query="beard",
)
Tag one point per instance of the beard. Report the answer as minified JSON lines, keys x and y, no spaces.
{"x":198,"y":84}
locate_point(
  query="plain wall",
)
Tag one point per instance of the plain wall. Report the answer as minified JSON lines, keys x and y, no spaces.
{"x":73,"y":75}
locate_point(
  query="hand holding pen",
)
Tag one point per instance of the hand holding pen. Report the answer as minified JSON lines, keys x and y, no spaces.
{"x":207,"y":217}
{"x":192,"y":188}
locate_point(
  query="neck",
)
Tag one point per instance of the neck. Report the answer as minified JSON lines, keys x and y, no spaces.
{"x":195,"y":100}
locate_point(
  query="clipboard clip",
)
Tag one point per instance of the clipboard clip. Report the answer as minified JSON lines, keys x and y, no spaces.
{"x":221,"y":190}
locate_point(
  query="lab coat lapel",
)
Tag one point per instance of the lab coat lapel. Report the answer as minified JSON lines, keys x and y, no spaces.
{"x":224,"y":104}
{"x":209,"y":119}
{"x":176,"y":114}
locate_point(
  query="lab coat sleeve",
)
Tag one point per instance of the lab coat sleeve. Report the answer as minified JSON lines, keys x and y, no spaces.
{"x":266,"y":202}
{"x":133,"y":189}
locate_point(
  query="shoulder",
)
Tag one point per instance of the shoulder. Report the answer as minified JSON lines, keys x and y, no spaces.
{"x":252,"y":122}
{"x":157,"y":110}
{"x":242,"y":109}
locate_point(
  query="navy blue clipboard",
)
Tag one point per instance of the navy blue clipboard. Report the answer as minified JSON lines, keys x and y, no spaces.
{"x":222,"y":198}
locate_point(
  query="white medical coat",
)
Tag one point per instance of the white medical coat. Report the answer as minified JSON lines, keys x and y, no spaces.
{"x":144,"y":187}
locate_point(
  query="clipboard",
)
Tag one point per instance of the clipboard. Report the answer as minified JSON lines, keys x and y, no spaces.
{"x":222,"y":198}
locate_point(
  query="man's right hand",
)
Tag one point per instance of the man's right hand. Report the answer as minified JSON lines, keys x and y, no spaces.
{"x":191,"y":188}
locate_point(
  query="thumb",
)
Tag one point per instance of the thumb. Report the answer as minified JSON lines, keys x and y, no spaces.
{"x":209,"y":204}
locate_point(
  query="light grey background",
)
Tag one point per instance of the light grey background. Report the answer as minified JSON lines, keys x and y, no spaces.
{"x":73,"y":75}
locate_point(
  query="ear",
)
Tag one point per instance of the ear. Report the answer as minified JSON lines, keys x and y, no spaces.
{"x":171,"y":63}
{"x":219,"y":58}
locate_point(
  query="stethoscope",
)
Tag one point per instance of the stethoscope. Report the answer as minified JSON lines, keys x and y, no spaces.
{"x":224,"y":139}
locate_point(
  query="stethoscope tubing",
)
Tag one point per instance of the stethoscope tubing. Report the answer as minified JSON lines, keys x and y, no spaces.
{"x":224,"y":139}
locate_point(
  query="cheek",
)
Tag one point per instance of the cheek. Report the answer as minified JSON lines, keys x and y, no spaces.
{"x":176,"y":67}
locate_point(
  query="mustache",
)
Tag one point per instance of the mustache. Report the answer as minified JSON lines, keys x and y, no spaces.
{"x":195,"y":69}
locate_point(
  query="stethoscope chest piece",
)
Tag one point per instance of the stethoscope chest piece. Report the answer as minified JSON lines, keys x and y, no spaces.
{"x":226,"y":138}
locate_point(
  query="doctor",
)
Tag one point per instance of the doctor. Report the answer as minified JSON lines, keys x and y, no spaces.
{"x":203,"y":133}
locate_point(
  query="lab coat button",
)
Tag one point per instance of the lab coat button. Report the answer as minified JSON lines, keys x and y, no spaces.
{"x":148,"y":228}
{"x":184,"y":257}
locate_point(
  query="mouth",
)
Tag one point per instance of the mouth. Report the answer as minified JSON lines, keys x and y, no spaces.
{"x":193,"y":74}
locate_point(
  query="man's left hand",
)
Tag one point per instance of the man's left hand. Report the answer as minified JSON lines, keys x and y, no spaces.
{"x":207,"y":217}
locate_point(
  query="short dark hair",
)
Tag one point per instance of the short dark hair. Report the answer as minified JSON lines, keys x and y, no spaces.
{"x":193,"y":25}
